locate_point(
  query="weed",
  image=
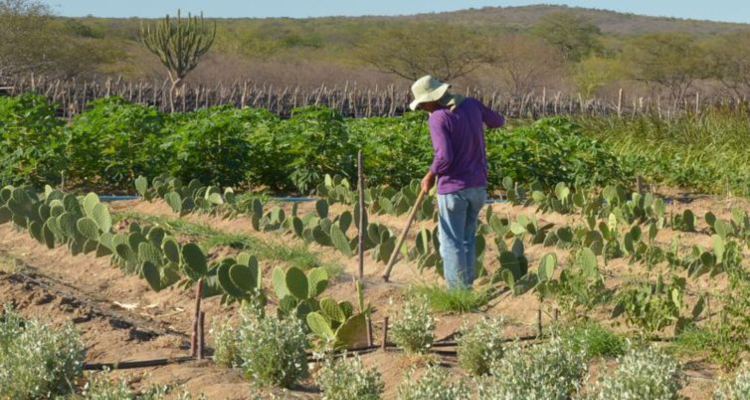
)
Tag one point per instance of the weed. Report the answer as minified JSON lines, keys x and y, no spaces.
{"x":413,"y":329}
{"x":37,"y":360}
{"x":225,"y":341}
{"x":693,"y":340}
{"x":550,"y":371}
{"x":593,"y":340}
{"x":272,"y":350}
{"x":738,"y":388}
{"x":102,"y":388}
{"x":646,"y":373}
{"x":434,"y":384}
{"x":457,"y":300}
{"x":481,"y":345}
{"x":349,"y":379}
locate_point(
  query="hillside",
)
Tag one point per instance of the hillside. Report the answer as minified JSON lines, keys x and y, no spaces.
{"x":328,"y":50}
{"x":500,"y":19}
{"x":611,"y":22}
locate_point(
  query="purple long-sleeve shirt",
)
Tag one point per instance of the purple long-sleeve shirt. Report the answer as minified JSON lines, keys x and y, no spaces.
{"x":460,"y":159}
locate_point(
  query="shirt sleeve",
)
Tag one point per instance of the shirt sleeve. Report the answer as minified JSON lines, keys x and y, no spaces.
{"x":441,"y":144}
{"x":491,"y":118}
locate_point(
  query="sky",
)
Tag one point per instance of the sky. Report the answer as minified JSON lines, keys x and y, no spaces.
{"x":716,"y":10}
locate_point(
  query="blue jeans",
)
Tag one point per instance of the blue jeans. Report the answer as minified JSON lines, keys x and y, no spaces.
{"x":458,"y":214}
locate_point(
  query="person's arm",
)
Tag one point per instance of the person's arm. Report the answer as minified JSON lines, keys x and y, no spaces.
{"x":491,"y":118}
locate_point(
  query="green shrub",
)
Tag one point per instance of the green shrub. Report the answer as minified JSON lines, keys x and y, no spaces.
{"x":114,"y":141}
{"x":272,"y":350}
{"x":316,"y":140}
{"x":413,"y":328}
{"x":349,"y":379}
{"x":736,"y":389}
{"x":645,"y":373}
{"x":32,"y":141}
{"x":37,"y":360}
{"x":550,"y":151}
{"x":481,"y":345}
{"x":434,"y":384}
{"x":212,"y":145}
{"x":395,"y":149}
{"x":550,"y":371}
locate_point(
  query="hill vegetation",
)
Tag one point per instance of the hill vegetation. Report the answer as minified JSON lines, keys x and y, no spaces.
{"x":515,"y":50}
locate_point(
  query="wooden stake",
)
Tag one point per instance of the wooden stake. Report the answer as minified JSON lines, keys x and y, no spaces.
{"x":201,"y":335}
{"x":385,"y":333}
{"x":401,"y":240}
{"x":539,"y":321}
{"x":196,"y":316}
{"x":369,"y":332}
{"x":362,"y":215}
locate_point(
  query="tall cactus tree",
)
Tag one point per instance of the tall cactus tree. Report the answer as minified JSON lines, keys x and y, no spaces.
{"x":179,"y":43}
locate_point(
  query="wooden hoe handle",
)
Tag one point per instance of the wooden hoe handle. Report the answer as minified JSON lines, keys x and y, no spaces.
{"x":401,"y":239}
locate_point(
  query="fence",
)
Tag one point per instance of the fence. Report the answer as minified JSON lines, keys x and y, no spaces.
{"x":351,"y":100}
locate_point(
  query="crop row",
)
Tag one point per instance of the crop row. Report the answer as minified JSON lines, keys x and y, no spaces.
{"x":614,"y":224}
{"x":84,"y":225}
{"x":113,"y":142}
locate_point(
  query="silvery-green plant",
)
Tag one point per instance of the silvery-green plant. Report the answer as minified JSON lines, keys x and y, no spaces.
{"x":103,"y":388}
{"x":736,"y":389}
{"x":550,"y":371}
{"x":37,"y":360}
{"x":225,"y":341}
{"x":481,"y":345}
{"x":349,"y":379}
{"x":434,"y":384}
{"x":272,"y":350}
{"x":644,"y":373}
{"x":413,"y":328}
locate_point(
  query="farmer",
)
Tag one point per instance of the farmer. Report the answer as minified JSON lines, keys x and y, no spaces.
{"x":460,"y":166}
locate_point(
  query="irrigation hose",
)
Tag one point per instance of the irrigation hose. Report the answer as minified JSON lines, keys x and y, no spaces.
{"x":98,"y":310}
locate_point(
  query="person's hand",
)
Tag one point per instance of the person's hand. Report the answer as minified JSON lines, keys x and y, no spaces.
{"x":428,"y":182}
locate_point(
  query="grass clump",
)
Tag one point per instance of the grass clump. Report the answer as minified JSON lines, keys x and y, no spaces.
{"x":692,"y":340}
{"x":736,"y":389}
{"x":593,"y":340}
{"x":413,"y":329}
{"x":272,"y":350}
{"x":37,"y":360}
{"x":721,"y":342}
{"x":550,"y":371}
{"x":456,"y":300}
{"x":349,"y":379}
{"x":481,"y":345}
{"x":434,"y":384}
{"x":645,"y":373}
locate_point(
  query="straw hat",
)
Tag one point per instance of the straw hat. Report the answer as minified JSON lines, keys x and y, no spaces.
{"x":427,"y":89}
